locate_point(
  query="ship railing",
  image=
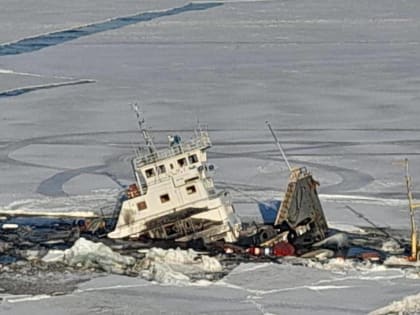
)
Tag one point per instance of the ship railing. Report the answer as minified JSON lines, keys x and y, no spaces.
{"x":202,"y":141}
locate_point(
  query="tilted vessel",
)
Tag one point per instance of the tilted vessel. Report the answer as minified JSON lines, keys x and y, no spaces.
{"x":174,"y":197}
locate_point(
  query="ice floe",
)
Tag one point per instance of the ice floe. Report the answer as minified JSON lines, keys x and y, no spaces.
{"x":176,"y":266}
{"x":408,"y":305}
{"x":173,"y":266}
{"x":88,"y":254}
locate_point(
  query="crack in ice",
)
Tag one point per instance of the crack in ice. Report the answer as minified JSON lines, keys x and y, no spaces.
{"x":35,"y":43}
{"x":27,"y":89}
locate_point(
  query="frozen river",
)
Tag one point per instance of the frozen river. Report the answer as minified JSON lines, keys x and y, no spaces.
{"x":338,"y":80}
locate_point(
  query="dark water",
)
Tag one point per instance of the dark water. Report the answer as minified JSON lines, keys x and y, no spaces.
{"x":43,"y":41}
{"x":23,"y":90}
{"x":42,"y":222}
{"x":6,"y":259}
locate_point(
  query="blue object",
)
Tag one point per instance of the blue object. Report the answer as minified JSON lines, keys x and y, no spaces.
{"x":177,"y":140}
{"x":268,"y":210}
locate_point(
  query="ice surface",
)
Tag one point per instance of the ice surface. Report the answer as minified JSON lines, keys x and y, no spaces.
{"x":338,"y":80}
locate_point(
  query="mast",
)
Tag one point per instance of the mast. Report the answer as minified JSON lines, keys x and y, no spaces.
{"x":412,"y":207}
{"x":146,"y":135}
{"x":279,"y":146}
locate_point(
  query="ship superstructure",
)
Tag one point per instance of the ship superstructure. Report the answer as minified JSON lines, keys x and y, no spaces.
{"x":174,"y":196}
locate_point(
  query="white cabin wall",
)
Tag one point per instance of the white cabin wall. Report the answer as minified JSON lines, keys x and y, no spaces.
{"x":174,"y":181}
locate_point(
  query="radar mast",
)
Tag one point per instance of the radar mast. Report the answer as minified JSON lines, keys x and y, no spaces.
{"x":279,"y":146}
{"x":141,"y":123}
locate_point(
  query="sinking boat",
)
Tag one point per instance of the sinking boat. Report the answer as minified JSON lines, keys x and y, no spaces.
{"x":174,"y":203}
{"x":174,"y":197}
{"x":301,"y":209}
{"x":300,"y":213}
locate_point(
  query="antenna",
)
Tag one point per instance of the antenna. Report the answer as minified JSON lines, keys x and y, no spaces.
{"x":412,"y":206}
{"x":279,"y":145}
{"x":198,"y":126}
{"x":147,"y":137}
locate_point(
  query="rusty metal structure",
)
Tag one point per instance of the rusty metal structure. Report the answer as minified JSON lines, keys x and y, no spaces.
{"x":301,"y":209}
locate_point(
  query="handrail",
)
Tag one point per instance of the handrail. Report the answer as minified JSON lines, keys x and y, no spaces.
{"x":201,"y":142}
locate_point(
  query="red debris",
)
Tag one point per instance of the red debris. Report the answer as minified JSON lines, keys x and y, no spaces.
{"x":283,"y":249}
{"x":280,"y":249}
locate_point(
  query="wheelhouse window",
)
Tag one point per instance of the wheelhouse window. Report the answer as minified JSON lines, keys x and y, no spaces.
{"x":191,"y":190}
{"x":150,"y":172}
{"x":193,"y":159}
{"x":161,"y":169}
{"x":182,"y":162}
{"x":164,"y":198}
{"x":141,"y":205}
